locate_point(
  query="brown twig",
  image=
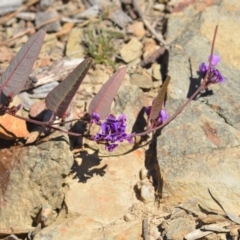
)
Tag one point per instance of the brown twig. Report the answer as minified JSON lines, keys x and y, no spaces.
{"x":58,"y":34}
{"x":147,"y":24}
{"x":9,"y":16}
{"x":145,"y":229}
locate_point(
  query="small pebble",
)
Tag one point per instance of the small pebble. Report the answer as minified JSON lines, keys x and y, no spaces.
{"x":147,"y":193}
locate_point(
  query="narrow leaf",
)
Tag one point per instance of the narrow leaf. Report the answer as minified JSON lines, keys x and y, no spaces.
{"x":158,"y":101}
{"x":61,"y":96}
{"x":101,"y":103}
{"x":14,"y":78}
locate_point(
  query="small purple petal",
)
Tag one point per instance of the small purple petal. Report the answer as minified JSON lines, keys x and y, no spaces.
{"x":163,"y":114}
{"x":110,"y":147}
{"x":215,"y":59}
{"x":148,"y":110}
{"x":95,"y":118}
{"x":203,"y":67}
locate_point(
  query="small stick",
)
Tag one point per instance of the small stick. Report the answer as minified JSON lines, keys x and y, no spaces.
{"x":201,"y":87}
{"x":9,"y":16}
{"x":147,"y":24}
{"x":145,"y":229}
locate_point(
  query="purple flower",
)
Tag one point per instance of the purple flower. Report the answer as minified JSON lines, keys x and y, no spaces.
{"x":214,"y":74}
{"x":95,"y":118}
{"x":113,"y":131}
{"x":215,"y":59}
{"x":162,"y":114}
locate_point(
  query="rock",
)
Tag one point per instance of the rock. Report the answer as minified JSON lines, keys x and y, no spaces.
{"x":50,"y":43}
{"x":74,"y":49}
{"x":37,"y":110}
{"x":32,"y":178}
{"x":25,"y":100}
{"x":47,"y":15}
{"x":199,"y":150}
{"x":12,"y":127}
{"x":179,"y":227}
{"x":42,"y":91}
{"x":196,"y":152}
{"x":137,"y":29}
{"x":142,"y":81}
{"x":130,"y":101}
{"x":9,"y":6}
{"x":119,"y":17}
{"x":6,"y":54}
{"x":156,"y":71}
{"x":159,"y":7}
{"x":147,"y":193}
{"x":46,"y":216}
{"x":90,"y":12}
{"x":150,"y":46}
{"x":46,"y":3}
{"x":132,"y":50}
{"x":103,"y":189}
{"x":27,"y":16}
{"x":78,"y":227}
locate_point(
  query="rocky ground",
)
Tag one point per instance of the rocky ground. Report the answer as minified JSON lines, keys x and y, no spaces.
{"x":182,"y":183}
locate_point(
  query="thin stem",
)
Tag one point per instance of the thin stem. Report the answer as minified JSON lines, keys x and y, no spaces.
{"x":204,"y":85}
{"x":211,"y":54}
{"x":45,"y":124}
{"x":201,"y":87}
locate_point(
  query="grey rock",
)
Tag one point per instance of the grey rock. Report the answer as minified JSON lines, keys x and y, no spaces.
{"x":42,"y":91}
{"x":26,"y":101}
{"x":199,"y":150}
{"x":131,"y":50}
{"x":141,"y":81}
{"x":179,"y":227}
{"x":7,"y":6}
{"x":34,"y":180}
{"x":46,"y":3}
{"x":120,"y":18}
{"x":27,"y":16}
{"x":91,"y":12}
{"x":45,"y":16}
{"x":130,"y":101}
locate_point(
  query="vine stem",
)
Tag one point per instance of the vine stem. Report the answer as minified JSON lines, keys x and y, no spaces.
{"x":204,"y":85}
{"x":201,"y":87}
{"x":45,"y":124}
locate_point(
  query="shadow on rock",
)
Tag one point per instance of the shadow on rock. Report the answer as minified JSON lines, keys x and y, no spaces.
{"x":83,"y":171}
{"x":194,"y":85}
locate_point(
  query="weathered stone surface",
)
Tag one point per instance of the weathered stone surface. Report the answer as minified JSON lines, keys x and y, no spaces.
{"x":82,"y":228}
{"x":130,"y":101}
{"x":179,"y":227}
{"x":47,"y":15}
{"x":79,"y":228}
{"x":196,"y":152}
{"x":12,"y":127}
{"x":199,"y":151}
{"x":105,"y":191}
{"x":33,"y":178}
{"x":74,"y":49}
{"x":132,"y":50}
{"x":137,"y":29}
{"x":141,"y":81}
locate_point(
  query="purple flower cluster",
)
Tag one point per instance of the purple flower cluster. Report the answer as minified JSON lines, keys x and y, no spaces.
{"x":214,"y":74}
{"x":162,"y":114}
{"x":112,"y":131}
